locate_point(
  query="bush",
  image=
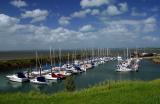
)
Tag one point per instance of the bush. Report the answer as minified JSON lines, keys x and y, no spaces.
{"x":69,"y":84}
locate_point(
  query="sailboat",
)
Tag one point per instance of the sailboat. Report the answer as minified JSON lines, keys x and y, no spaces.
{"x":39,"y":79}
{"x":123,"y":65}
{"x":51,"y":75}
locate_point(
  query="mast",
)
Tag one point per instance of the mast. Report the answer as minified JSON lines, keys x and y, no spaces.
{"x":54,"y":58}
{"x":59,"y":57}
{"x":107,"y":52}
{"x":124,"y":54}
{"x":40,"y":62}
{"x":81,"y":54}
{"x":127,"y":53}
{"x":51,"y":59}
{"x":92,"y":54}
{"x":36,"y":61}
{"x":75,"y":54}
{"x":86,"y":53}
{"x":98,"y":52}
{"x":68,"y":58}
{"x":136,"y":52}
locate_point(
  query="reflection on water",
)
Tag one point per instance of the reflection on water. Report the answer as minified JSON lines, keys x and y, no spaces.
{"x":14,"y":84}
{"x":147,"y":71}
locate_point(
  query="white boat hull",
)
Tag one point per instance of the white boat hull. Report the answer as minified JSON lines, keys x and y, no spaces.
{"x":49,"y":77}
{"x":37,"y":82}
{"x":16,"y":79}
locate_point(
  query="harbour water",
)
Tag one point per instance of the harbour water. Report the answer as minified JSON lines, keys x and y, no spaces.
{"x":147,"y":71}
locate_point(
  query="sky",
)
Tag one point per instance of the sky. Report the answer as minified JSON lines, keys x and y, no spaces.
{"x":67,"y":24}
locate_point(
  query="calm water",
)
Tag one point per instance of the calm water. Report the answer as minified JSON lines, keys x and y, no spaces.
{"x":148,"y":71}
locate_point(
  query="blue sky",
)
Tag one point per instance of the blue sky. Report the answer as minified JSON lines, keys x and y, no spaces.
{"x":40,"y":24}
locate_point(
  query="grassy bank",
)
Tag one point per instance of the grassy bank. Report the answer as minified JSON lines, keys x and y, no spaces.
{"x":119,"y":92}
{"x":155,"y":59}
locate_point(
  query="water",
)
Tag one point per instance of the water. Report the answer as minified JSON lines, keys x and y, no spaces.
{"x":147,"y":71}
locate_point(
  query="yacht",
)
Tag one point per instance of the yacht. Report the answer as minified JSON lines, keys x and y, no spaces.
{"x":18,"y":77}
{"x":121,"y":68}
{"x":51,"y":76}
{"x":39,"y":80}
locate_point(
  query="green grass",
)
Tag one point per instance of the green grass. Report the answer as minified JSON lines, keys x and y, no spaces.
{"x":119,"y":92}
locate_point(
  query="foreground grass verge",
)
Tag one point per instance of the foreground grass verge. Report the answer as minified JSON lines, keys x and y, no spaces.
{"x":119,"y":92}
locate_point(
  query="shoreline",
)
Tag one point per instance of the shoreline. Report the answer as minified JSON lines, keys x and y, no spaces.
{"x":155,"y":59}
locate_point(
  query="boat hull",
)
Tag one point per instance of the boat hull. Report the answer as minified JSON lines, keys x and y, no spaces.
{"x":16,"y":79}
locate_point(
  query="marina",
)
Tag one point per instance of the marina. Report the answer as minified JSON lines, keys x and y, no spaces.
{"x":79,"y":52}
{"x":93,"y":76}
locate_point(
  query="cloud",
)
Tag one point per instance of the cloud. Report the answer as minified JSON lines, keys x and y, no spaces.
{"x":93,"y":3}
{"x":123,"y":7}
{"x":150,"y":20}
{"x":144,"y":25}
{"x":150,"y":38}
{"x":129,"y":31}
{"x":17,"y":36}
{"x":18,"y":3}
{"x":36,"y":15}
{"x":64,"y":20}
{"x":113,"y":10}
{"x":86,"y":28}
{"x":135,"y":13}
{"x":6,"y":20}
{"x":117,"y":28}
{"x":150,"y":24}
{"x":81,"y":13}
{"x":95,"y":12}
{"x":115,"y":33}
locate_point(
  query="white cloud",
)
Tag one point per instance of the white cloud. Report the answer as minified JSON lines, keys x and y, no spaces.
{"x":150,"y":24}
{"x":17,"y":36}
{"x":120,"y":32}
{"x":93,"y":3}
{"x":81,"y":13}
{"x":6,"y":20}
{"x":64,"y":20}
{"x":36,"y":15}
{"x":136,"y":13}
{"x":144,"y":25}
{"x":112,"y":10}
{"x":150,"y":20}
{"x":95,"y":12}
{"x":150,"y":38}
{"x":86,"y":28}
{"x":18,"y":3}
{"x":116,"y":28}
{"x":133,"y":13}
{"x":123,"y":7}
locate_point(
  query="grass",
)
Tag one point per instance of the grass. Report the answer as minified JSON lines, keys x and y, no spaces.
{"x":114,"y":92}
